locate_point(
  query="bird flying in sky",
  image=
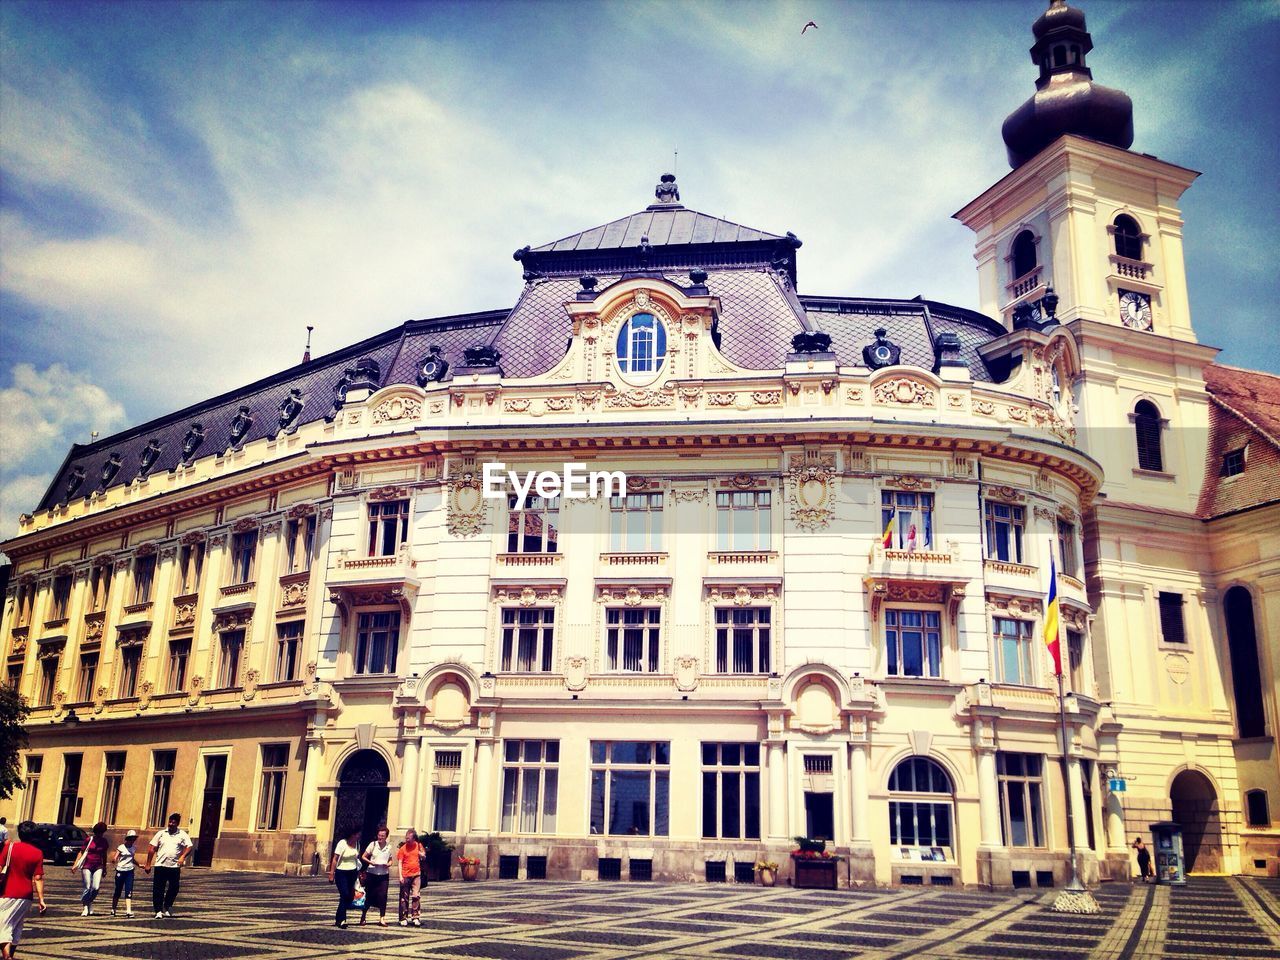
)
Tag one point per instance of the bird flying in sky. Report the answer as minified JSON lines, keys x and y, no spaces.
{"x":807,"y":26}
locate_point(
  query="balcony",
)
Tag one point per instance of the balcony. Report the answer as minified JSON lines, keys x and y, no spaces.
{"x":743,"y":557}
{"x":640,"y":558}
{"x":364,"y":581}
{"x":544,"y":561}
{"x":1024,"y":284}
{"x":1128,"y":269}
{"x":1007,"y":575}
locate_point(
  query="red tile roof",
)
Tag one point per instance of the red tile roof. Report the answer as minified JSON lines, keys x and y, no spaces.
{"x":1245,"y":414}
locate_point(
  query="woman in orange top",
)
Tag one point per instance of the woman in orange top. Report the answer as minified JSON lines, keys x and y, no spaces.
{"x":409,"y":856}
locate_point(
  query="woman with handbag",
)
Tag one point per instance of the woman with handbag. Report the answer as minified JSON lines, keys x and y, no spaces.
{"x":377,"y":858}
{"x":91,"y":861}
{"x":344,"y":867}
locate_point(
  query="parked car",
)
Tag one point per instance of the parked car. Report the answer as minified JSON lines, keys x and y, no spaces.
{"x":59,"y":842}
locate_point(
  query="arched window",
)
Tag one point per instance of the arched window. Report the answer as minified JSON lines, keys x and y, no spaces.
{"x":1128,"y":237}
{"x":920,"y":807}
{"x":642,"y":344}
{"x":1242,"y":642}
{"x":1024,"y":254}
{"x":1146,"y":429}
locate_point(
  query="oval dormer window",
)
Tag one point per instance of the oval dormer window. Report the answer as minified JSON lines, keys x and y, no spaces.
{"x":642,"y":346}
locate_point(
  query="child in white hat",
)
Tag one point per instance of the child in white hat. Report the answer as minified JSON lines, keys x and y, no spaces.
{"x":125,"y":862}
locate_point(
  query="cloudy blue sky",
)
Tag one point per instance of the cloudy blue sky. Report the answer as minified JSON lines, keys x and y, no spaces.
{"x":185,"y":186}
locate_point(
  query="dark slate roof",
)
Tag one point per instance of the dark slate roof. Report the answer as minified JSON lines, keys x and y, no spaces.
{"x":759,"y":316}
{"x":396,"y":352}
{"x":665,"y":224}
{"x":912,"y":324}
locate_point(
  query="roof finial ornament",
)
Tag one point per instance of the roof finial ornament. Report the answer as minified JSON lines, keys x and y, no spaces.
{"x":666,"y":191}
{"x":306,"y":353}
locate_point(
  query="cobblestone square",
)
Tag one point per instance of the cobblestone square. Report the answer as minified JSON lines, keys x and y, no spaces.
{"x":290,"y":918}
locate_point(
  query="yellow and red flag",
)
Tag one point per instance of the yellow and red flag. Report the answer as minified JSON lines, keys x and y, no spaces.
{"x":1051,"y":618}
{"x":886,"y":538}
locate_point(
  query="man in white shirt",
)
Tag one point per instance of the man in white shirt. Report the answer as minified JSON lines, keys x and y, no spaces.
{"x":168,"y":851}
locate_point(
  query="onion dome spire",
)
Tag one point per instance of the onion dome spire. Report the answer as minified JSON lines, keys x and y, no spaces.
{"x":1066,"y":98}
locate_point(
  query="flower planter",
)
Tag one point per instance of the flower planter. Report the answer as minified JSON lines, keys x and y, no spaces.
{"x":469,"y":870}
{"x":767,"y":877}
{"x":817,"y":873}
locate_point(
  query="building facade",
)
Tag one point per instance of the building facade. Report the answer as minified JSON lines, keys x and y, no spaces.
{"x":815,"y":609}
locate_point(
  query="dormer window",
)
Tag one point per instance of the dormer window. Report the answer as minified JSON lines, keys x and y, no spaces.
{"x":1233,"y":462}
{"x":1128,"y":237}
{"x":1024,"y":254}
{"x":642,"y":345}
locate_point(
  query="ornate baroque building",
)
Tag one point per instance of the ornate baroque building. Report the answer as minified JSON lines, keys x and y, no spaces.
{"x":816,"y":610}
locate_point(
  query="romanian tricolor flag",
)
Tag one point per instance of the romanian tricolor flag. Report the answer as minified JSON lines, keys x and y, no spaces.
{"x":1051,"y":618}
{"x":886,"y":538}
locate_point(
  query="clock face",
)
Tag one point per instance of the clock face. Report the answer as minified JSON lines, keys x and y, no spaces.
{"x":431,"y":370}
{"x":1135,"y":310}
{"x":883,"y":353}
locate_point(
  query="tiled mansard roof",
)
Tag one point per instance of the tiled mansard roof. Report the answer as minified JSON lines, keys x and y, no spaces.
{"x":1244,"y":414}
{"x":752,"y":272}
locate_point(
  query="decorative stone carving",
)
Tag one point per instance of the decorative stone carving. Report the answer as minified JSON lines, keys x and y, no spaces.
{"x":984,"y":407}
{"x":146,"y":690}
{"x":1178,"y":667}
{"x":588,"y":399}
{"x":244,"y":524}
{"x":906,"y":391}
{"x":184,"y":614}
{"x":1023,"y":607}
{"x":294,"y":594}
{"x":516,"y":405}
{"x":232,"y":620}
{"x":388,"y":492}
{"x":251,"y":678}
{"x":558,"y":404}
{"x":908,"y":482}
{"x":742,"y":595}
{"x":690,"y":496}
{"x":810,"y":492}
{"x":268,"y":529}
{"x":1005,"y":493}
{"x":575,"y":673}
{"x":686,"y":673}
{"x":99,"y":699}
{"x":636,"y":397}
{"x":309,"y":678}
{"x":528,"y":596}
{"x":632,"y":596}
{"x":195,"y":689}
{"x":397,"y":408}
{"x":466,"y":507}
{"x":721,"y":399}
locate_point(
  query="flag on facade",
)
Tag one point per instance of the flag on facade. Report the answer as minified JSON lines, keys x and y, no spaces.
{"x":911,"y":539}
{"x":1051,"y":618}
{"x":886,"y":538}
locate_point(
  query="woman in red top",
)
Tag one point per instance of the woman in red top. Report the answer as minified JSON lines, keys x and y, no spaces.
{"x":91,"y":862}
{"x":409,"y":856}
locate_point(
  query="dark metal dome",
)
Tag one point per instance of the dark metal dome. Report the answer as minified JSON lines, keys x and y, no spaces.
{"x":1066,"y":98}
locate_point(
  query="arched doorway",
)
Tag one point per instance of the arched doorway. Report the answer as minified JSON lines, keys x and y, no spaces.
{"x":1195,"y":808}
{"x":362,"y":796}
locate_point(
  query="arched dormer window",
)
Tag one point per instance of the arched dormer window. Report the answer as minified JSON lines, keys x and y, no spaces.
{"x":1242,"y":644}
{"x":642,"y":345}
{"x":1024,"y":254}
{"x":1128,"y":237}
{"x":1147,"y":425}
{"x":920,"y":807}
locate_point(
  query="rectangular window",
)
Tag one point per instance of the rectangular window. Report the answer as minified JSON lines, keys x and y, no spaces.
{"x":144,"y":575}
{"x":743,"y":639}
{"x":1021,"y":792}
{"x":130,"y":666}
{"x":912,"y":518}
{"x":99,"y":587}
{"x":1004,"y":525}
{"x":288,"y":650}
{"x":388,"y":527}
{"x":163,"y":762}
{"x":275,"y":765}
{"x":1086,"y":776}
{"x":635,"y":522}
{"x":1075,"y":660}
{"x":67,"y":801}
{"x":244,"y":550}
{"x":112,"y":781}
{"x":23,"y":603}
{"x":14,"y":676}
{"x":731,"y":791}
{"x":530,"y":786}
{"x":536,"y":527}
{"x":913,"y":641}
{"x":1233,"y":462}
{"x":299,"y":538}
{"x":1172,"y":628}
{"x":632,"y":639}
{"x":1015,"y":659}
{"x":528,"y":640}
{"x":48,"y":678}
{"x":1068,"y":559}
{"x":630,"y":788}
{"x":230,"y":651}
{"x":61,"y":597}
{"x":1257,"y":810}
{"x":444,"y":805}
{"x":179,"y":657}
{"x":744,"y":520}
{"x":88,"y":678}
{"x":190,"y":566}
{"x":377,"y":642}
{"x":35,"y":764}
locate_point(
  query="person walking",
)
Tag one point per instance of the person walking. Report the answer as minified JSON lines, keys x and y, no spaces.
{"x":168,"y":851}
{"x":22,"y":864}
{"x":125,"y":861}
{"x":1144,"y":859}
{"x":409,"y":857}
{"x":4,"y":830}
{"x":377,"y":860}
{"x":91,"y":861}
{"x":344,"y":867}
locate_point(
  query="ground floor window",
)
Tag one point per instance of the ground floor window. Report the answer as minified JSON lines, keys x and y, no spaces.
{"x":35,"y":764}
{"x":731,"y":790}
{"x":530,"y":786}
{"x":630,"y":788}
{"x":275,"y":767}
{"x":1021,"y":798}
{"x":163,"y":762}
{"x":921,"y":810}
{"x":444,"y":804}
{"x":111,"y":785}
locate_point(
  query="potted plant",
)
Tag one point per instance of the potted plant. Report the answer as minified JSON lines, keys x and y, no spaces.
{"x":815,"y":865}
{"x":437,"y":858}
{"x":768,"y":872}
{"x":470,"y":867}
